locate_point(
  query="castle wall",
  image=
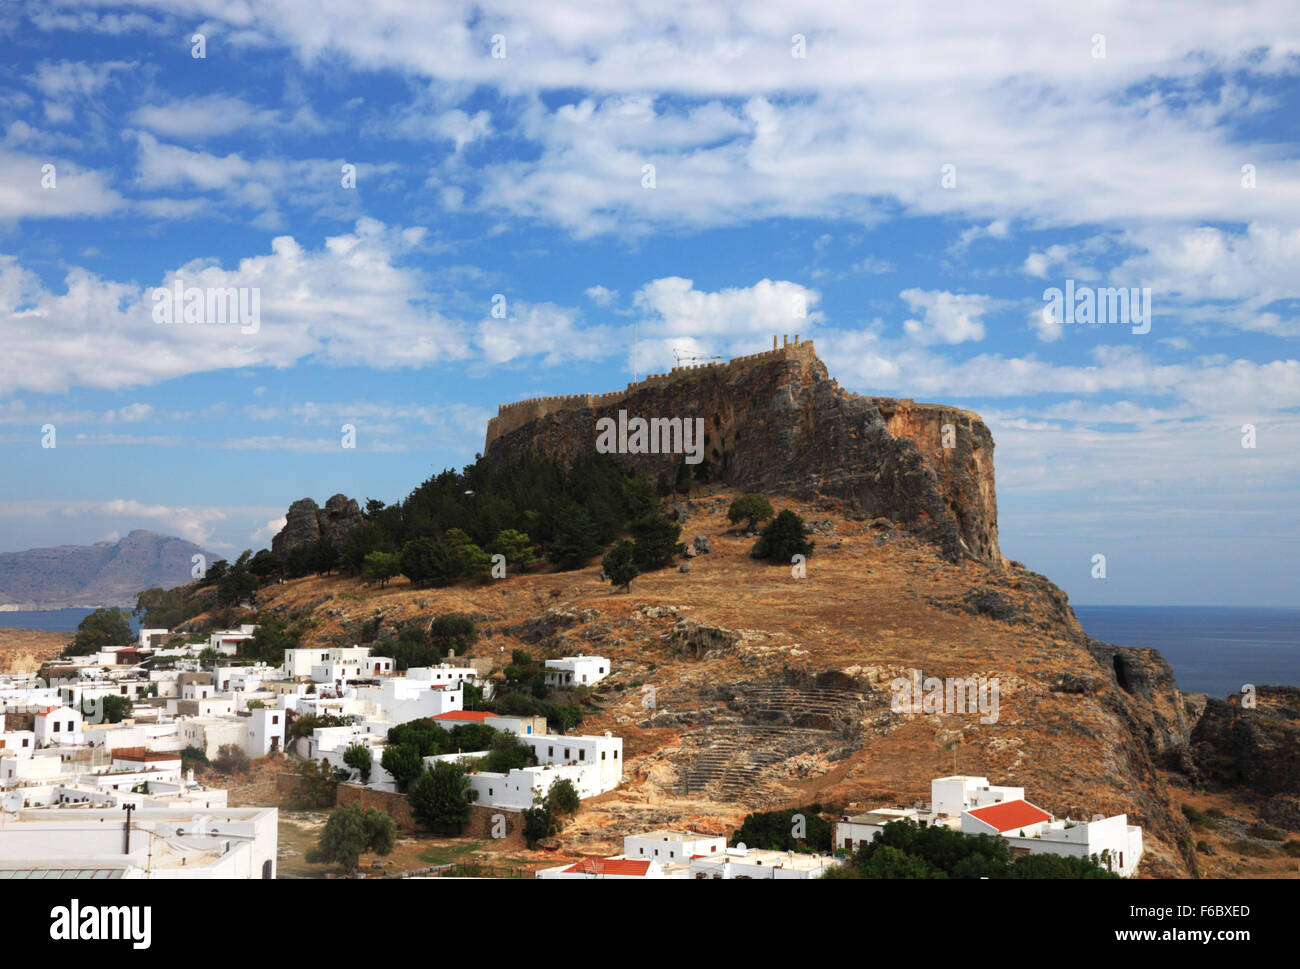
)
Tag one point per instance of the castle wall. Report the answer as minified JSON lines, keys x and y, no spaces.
{"x":515,"y":415}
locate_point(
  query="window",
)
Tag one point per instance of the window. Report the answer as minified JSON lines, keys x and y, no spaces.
{"x":56,"y":726}
{"x":602,"y":755}
{"x":582,"y":754}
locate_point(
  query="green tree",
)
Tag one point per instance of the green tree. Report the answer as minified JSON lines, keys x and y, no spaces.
{"x":116,"y":708}
{"x":237,"y":582}
{"x":517,"y":548}
{"x":424,"y":735}
{"x":351,"y":832}
{"x":620,"y":565}
{"x":575,"y":539}
{"x":426,"y":561}
{"x":358,"y":757}
{"x":268,"y":643}
{"x":403,"y":762}
{"x":318,"y":785}
{"x":563,"y":797}
{"x":780,"y":830}
{"x":381,"y":566}
{"x":440,"y":797}
{"x":453,"y":631}
{"x":654,"y":542}
{"x":506,"y":753}
{"x":751,"y":509}
{"x":102,"y":629}
{"x":784,"y":537}
{"x":324,"y":556}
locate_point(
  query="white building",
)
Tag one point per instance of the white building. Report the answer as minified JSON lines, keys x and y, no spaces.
{"x":298,"y":662}
{"x":58,"y":726}
{"x":592,"y":764}
{"x":576,"y":670}
{"x":747,"y":863}
{"x":402,"y":699}
{"x":182,"y":842}
{"x":226,"y":641}
{"x":973,"y":806}
{"x":668,"y":847}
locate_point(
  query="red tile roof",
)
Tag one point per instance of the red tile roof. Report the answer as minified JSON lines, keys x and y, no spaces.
{"x":610,"y":866}
{"x":463,"y":715}
{"x":47,"y":711}
{"x":1010,"y":815}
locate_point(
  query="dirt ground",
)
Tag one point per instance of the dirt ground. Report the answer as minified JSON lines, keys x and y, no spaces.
{"x":23,"y":650}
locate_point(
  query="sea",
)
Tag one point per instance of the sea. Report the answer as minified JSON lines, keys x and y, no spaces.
{"x":1212,"y":649}
{"x":52,"y":620}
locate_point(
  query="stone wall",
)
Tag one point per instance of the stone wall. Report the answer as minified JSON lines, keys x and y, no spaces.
{"x":480,"y":825}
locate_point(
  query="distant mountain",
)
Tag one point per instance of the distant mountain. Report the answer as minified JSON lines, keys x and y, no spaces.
{"x":103,"y":574}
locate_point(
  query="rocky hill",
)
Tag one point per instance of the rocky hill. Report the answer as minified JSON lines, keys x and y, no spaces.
{"x":737,"y":686}
{"x":776,"y":423}
{"x":103,"y":574}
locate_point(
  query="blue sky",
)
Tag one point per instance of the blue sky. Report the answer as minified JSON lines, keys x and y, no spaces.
{"x":780,"y":181}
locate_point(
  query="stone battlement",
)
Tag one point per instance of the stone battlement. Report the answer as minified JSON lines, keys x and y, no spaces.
{"x":518,"y":413}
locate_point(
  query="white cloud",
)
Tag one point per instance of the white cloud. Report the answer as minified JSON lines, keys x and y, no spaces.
{"x":946,"y":317}
{"x":349,"y":302}
{"x":204,"y":116}
{"x":601,"y":295}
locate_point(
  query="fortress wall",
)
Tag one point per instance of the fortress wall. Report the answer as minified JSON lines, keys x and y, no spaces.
{"x":518,"y":413}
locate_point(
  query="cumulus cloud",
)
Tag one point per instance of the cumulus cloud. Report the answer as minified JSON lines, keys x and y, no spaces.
{"x":348,"y":302}
{"x":945,"y":317}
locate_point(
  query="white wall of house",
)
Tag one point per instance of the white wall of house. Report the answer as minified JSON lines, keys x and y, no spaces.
{"x":59,"y":726}
{"x":18,"y":743}
{"x":676,"y":846}
{"x":605,"y":752}
{"x":576,"y":670}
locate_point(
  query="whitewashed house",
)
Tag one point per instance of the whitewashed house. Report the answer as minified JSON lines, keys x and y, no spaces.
{"x":58,"y":726}
{"x":576,"y":670}
{"x":748,"y":863}
{"x":973,"y":806}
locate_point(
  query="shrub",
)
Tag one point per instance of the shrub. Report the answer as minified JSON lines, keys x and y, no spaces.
{"x":231,"y":759}
{"x":654,"y":542}
{"x":750,"y":509}
{"x":1265,"y":833}
{"x":318,"y":785}
{"x":192,"y":757}
{"x":784,"y":537}
{"x":620,"y":565}
{"x":352,"y":831}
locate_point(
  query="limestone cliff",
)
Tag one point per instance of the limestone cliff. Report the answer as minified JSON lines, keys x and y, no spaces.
{"x":776,"y":423}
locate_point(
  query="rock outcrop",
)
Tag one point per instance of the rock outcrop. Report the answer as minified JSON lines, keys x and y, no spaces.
{"x":306,"y":522}
{"x":776,"y":423}
{"x":1234,"y":745}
